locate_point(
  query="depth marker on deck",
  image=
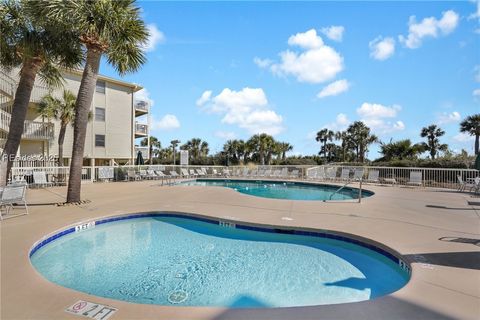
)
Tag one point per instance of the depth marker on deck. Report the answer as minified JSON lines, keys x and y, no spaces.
{"x":91,"y":310}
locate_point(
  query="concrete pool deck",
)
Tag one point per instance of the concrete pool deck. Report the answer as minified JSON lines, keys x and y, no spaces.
{"x":418,"y":223}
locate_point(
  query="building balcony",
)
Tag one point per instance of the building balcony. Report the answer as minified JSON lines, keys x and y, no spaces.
{"x":141,"y":130}
{"x":141,"y":108}
{"x":143,"y":150}
{"x":32,"y":130}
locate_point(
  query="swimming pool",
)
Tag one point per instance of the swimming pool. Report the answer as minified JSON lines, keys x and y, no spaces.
{"x":167,"y":259}
{"x":283,"y":189}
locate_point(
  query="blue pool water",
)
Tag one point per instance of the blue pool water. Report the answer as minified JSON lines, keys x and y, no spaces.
{"x":179,"y":261}
{"x":282,"y":189}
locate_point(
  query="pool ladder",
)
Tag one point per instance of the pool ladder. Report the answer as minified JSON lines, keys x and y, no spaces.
{"x":347,"y":183}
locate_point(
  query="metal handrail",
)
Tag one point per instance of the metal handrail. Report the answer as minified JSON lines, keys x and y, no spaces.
{"x":340,"y":189}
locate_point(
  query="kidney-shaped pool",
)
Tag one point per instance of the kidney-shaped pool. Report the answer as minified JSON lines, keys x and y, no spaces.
{"x":179,"y":260}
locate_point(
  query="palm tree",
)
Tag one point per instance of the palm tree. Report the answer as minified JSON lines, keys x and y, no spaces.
{"x":106,"y":27}
{"x":361,"y":138}
{"x":345,"y":145}
{"x":63,"y":111}
{"x":204,"y":149}
{"x":196,"y":148}
{"x":174,"y":144}
{"x":433,"y":145}
{"x":155,"y":145}
{"x":36,"y":46}
{"x":471,"y":126}
{"x":323,"y":136}
{"x":283,"y":148}
{"x":262,"y":146}
{"x":402,"y":149}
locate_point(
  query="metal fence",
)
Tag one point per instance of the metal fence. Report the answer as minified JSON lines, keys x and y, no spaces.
{"x":430,"y":177}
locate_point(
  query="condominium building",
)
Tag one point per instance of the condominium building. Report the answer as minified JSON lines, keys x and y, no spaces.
{"x":118,"y":121}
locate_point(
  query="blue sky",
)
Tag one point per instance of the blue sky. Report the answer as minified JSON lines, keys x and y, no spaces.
{"x":221,"y":70}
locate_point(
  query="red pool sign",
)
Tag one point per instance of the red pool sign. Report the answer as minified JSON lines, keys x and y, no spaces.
{"x":91,"y":310}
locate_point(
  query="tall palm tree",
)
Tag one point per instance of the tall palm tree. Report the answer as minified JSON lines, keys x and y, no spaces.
{"x":35,"y":46}
{"x":262,"y":146}
{"x":433,"y":145}
{"x":204,"y":149}
{"x":110,"y":28}
{"x":471,"y":126}
{"x":196,"y":148}
{"x":63,"y":111}
{"x":345,"y":143}
{"x":174,"y":144}
{"x":402,"y":149}
{"x":323,"y":136}
{"x":155,"y":145}
{"x":283,"y":148}
{"x":361,"y":139}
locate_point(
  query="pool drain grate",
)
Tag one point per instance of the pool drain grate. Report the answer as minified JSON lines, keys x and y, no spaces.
{"x":177,"y":297}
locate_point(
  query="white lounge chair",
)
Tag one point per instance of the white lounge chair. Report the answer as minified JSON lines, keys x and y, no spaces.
{"x":184,"y":173}
{"x":320,"y":173}
{"x":284,"y":173}
{"x":373,"y":176}
{"x":331,"y":173}
{"x":295,"y":174}
{"x":192,"y":173}
{"x":132,"y":175}
{"x":13,"y":194}
{"x":163,"y":176}
{"x":267,"y":173}
{"x":40,"y":179}
{"x":474,"y":185}
{"x":345,"y":175}
{"x":226,"y":172}
{"x":200,"y":172}
{"x":174,"y":174}
{"x":277,"y":173}
{"x":358,"y":174}
{"x":415,"y":178}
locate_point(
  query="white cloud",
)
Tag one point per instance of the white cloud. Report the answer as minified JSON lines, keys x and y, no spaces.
{"x":341,"y":123}
{"x":204,"y":98}
{"x":382,"y":48}
{"x":262,"y":63}
{"x":445,"y":118}
{"x":306,"y":40}
{"x":334,"y":33}
{"x":155,"y":37}
{"x":168,"y":122}
{"x":476,"y":93}
{"x":374,"y":115}
{"x":144,"y":95}
{"x":247,"y":108}
{"x":227,"y":135}
{"x":476,"y":71}
{"x":463,"y":137}
{"x":334,"y":88}
{"x":429,"y":27}
{"x":317,"y":62}
{"x":476,"y":14}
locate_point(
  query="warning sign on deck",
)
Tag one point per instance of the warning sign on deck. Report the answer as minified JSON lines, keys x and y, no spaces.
{"x":91,"y":310}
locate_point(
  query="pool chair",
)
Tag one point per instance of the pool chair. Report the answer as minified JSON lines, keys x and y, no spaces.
{"x":226,"y":172}
{"x":184,"y":173}
{"x":295,"y":174}
{"x":267,"y":173}
{"x":277,"y":173}
{"x":163,"y":176}
{"x":200,"y":173}
{"x":152,"y":175}
{"x":132,"y":175}
{"x":215,"y":173}
{"x":358,"y":174}
{"x":390,"y":180}
{"x":320,"y":173}
{"x":12,"y":195}
{"x":245,"y":172}
{"x":331,"y":173}
{"x":345,"y":175}
{"x":415,"y":178}
{"x":174,"y":174}
{"x":373,"y":176}
{"x":193,"y":173}
{"x":40,"y":179}
{"x":472,"y":184}
{"x":284,"y":173}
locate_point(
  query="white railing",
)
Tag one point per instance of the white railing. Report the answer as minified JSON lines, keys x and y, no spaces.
{"x":141,"y":105}
{"x":31,"y":129}
{"x":431,"y":177}
{"x":141,"y":128}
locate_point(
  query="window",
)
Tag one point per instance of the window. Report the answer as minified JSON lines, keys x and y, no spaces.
{"x":99,"y":140}
{"x":99,"y":114}
{"x":100,"y":86}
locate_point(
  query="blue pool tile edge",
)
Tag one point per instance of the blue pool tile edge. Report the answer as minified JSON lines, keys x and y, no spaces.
{"x":320,"y":234}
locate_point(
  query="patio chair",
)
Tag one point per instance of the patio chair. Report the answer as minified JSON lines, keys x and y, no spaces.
{"x":40,"y":179}
{"x":144,"y":175}
{"x":295,"y":174}
{"x":331,"y":173}
{"x":151,"y":174}
{"x":215,"y":172}
{"x":204,"y":170}
{"x":132,"y":175}
{"x":200,"y":173}
{"x":267,"y":173}
{"x":345,"y":175}
{"x":13,"y":194}
{"x":184,"y":173}
{"x":163,"y":176}
{"x":415,"y":178}
{"x":192,"y":173}
{"x":284,"y":173}
{"x":277,"y":173}
{"x":320,"y":173}
{"x":226,"y":172}
{"x":358,"y":174}
{"x":174,"y":174}
{"x":373,"y":176}
{"x":475,"y":184}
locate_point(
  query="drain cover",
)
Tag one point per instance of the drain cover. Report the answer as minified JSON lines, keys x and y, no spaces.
{"x":177,"y":297}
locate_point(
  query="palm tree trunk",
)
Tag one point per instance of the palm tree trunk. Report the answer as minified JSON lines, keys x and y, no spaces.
{"x":19,"y":113}
{"x":84,"y":101}
{"x":477,"y":143}
{"x":61,"y":138}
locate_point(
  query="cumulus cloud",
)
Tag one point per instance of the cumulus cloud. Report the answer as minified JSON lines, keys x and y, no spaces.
{"x":382,"y":48}
{"x":341,"y":123}
{"x":167,"y":122}
{"x":317,"y":62}
{"x":375,"y":116}
{"x":247,"y":108}
{"x":334,"y":88}
{"x":445,"y":117}
{"x":429,"y":27}
{"x":143,"y":95}
{"x":204,"y":98}
{"x":227,"y":135}
{"x":334,"y":33}
{"x":155,"y":37}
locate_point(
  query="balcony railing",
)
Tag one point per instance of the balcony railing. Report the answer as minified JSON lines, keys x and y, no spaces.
{"x":9,"y":83}
{"x":141,"y":129}
{"x":141,"y":107}
{"x":143,"y":150}
{"x":33,"y":130}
